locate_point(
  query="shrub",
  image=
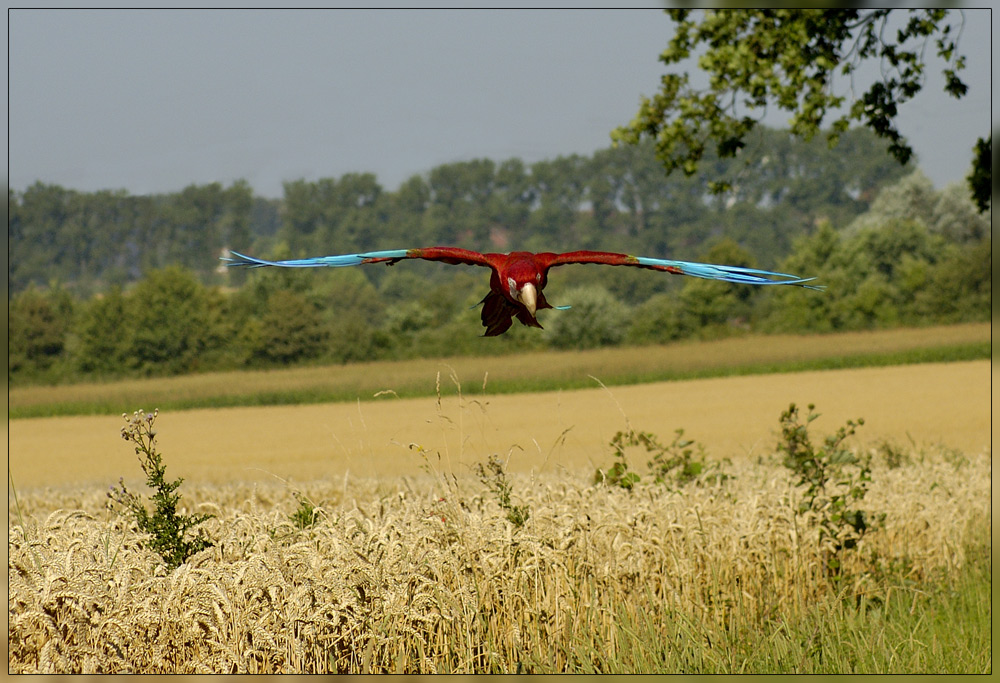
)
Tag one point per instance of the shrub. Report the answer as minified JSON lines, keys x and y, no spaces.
{"x":836,"y":480}
{"x":37,"y":326}
{"x":596,"y":319}
{"x":674,"y":465}
{"x":291,"y":329}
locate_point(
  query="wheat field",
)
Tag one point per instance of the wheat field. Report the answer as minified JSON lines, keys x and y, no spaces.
{"x":425,"y":573}
{"x":411,"y":565}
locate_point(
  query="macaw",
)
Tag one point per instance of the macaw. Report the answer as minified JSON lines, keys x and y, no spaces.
{"x":518,"y":278}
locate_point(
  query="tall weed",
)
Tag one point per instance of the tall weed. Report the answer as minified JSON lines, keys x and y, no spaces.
{"x":167,"y":529}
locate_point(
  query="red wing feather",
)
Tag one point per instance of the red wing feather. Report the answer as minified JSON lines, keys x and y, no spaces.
{"x":607,"y":258}
{"x":454,"y":256}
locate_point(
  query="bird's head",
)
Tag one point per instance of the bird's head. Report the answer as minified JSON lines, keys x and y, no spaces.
{"x":528,"y":296}
{"x":525,"y":293}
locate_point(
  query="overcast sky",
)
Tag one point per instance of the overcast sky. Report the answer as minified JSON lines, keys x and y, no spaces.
{"x":152,"y":101}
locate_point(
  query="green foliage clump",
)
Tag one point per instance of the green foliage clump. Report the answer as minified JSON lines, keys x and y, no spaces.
{"x":836,"y":480}
{"x":290,"y":330}
{"x":103,"y":333}
{"x":168,"y":321}
{"x":788,"y":58}
{"x":168,"y":529}
{"x":885,"y":271}
{"x":595,"y":319}
{"x":494,"y":476}
{"x":980,"y":177}
{"x":619,"y":474}
{"x":674,"y":465}
{"x":37,"y":327}
{"x":306,"y":514}
{"x":658,"y":320}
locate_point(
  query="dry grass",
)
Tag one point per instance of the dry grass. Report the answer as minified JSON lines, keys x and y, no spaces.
{"x":425,"y":574}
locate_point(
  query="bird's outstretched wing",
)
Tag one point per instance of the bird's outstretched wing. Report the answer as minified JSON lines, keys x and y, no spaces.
{"x":709,"y":271}
{"x":451,"y":255}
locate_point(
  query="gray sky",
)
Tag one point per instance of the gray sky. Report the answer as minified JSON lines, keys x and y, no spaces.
{"x":151,"y":101}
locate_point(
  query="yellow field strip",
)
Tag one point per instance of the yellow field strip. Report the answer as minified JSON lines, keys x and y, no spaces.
{"x":734,"y":417}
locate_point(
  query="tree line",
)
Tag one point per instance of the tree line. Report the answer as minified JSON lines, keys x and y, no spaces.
{"x":107,"y":284}
{"x":617,"y":198}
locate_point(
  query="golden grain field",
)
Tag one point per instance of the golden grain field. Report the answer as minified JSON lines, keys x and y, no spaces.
{"x":425,"y":574}
{"x":413,"y":567}
{"x":544,"y":432}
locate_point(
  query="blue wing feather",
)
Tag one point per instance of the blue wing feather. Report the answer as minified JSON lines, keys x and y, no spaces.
{"x":236,"y":259}
{"x":737,"y":274}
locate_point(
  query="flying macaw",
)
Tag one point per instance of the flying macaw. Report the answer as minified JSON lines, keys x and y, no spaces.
{"x":518,"y":278}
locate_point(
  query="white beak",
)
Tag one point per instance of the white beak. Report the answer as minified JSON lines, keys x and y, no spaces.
{"x":529,"y":297}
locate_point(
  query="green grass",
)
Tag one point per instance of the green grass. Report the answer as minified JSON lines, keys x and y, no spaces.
{"x":529,"y":372}
{"x":941,"y":625}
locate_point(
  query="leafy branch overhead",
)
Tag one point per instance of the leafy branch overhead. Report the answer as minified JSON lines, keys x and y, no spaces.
{"x":789,"y":58}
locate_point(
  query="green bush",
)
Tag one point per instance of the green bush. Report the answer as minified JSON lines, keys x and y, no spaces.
{"x":596,"y":319}
{"x":103,"y":334}
{"x":168,"y":319}
{"x":37,"y":327}
{"x":674,"y":465}
{"x":291,"y":329}
{"x":836,"y":480}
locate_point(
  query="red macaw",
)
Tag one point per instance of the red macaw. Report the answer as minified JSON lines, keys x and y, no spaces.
{"x":518,"y":278}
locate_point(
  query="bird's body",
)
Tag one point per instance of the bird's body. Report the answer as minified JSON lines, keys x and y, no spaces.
{"x":518,"y":278}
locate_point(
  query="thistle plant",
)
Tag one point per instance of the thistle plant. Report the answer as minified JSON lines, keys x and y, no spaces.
{"x":168,"y":529}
